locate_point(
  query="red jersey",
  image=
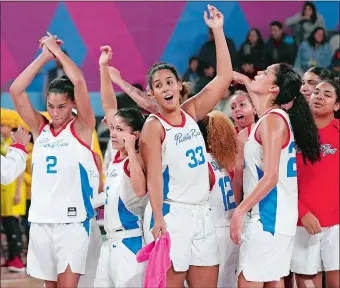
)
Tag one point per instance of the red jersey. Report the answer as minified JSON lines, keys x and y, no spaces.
{"x":318,"y":184}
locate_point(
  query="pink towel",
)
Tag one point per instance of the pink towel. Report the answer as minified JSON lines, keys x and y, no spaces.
{"x":158,"y":254}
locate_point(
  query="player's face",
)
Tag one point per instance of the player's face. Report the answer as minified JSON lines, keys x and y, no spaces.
{"x":323,"y":100}
{"x":118,"y":128}
{"x":309,"y":82}
{"x":263,"y":82}
{"x":5,"y":131}
{"x":242,"y":111}
{"x":59,"y":107}
{"x":166,"y":89}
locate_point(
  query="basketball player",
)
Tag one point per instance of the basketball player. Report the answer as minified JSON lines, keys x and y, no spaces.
{"x":311,"y":78}
{"x":221,"y":142}
{"x":242,"y":110}
{"x":316,"y":246}
{"x":64,"y":170}
{"x":14,"y":163}
{"x":172,"y":146}
{"x":244,"y":116}
{"x":125,"y":188}
{"x":270,"y":205}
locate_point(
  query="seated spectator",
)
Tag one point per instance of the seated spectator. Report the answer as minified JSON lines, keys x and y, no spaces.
{"x":335,"y":64}
{"x":314,"y":51}
{"x":252,"y":48}
{"x":334,"y":42}
{"x":208,"y":73}
{"x":280,"y":48}
{"x":304,"y":22}
{"x":248,"y":67}
{"x":191,"y":75}
{"x":208,"y":52}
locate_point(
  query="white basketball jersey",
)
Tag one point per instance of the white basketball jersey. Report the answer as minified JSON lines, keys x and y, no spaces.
{"x":123,"y":209}
{"x":222,"y":201}
{"x":184,"y":164}
{"x":63,"y":179}
{"x":278,"y":211}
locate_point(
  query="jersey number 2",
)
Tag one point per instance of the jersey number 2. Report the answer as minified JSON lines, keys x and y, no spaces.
{"x":51,"y":163}
{"x":193,"y":157}
{"x":291,"y":165}
{"x":225,"y":186}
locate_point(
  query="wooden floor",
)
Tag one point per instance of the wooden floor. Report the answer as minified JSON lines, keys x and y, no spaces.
{"x":19,"y":280}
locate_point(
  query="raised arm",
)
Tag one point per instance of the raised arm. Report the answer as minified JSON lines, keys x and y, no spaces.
{"x":108,"y":96}
{"x":199,"y":105}
{"x":20,"y":98}
{"x":85,"y":115}
{"x":141,"y":98}
{"x":151,"y":147}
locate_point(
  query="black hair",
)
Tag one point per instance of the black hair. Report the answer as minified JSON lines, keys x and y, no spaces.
{"x":260,"y":42}
{"x":62,"y":85}
{"x":312,"y":6}
{"x":161,"y":66}
{"x":204,"y":130}
{"x":323,"y":73}
{"x":336,"y":86}
{"x":276,"y":23}
{"x":193,"y":58}
{"x":133,"y":117}
{"x":311,"y":39}
{"x":301,"y":118}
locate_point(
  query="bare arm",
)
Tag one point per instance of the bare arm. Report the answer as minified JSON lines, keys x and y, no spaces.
{"x":141,"y":98}
{"x":85,"y":115}
{"x":137,"y":175}
{"x":20,"y":98}
{"x":150,"y":147}
{"x":273,"y":133}
{"x":199,"y":105}
{"x":237,"y":182}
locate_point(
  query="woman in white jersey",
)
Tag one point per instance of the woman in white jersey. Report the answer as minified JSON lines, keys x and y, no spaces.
{"x":64,"y":170}
{"x":270,"y":205}
{"x":221,"y":142}
{"x":125,"y":188}
{"x":174,"y":155}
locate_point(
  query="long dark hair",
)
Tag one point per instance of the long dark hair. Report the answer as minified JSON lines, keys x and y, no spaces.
{"x":303,"y":125}
{"x":312,"y":6}
{"x":259,"y":42}
{"x":311,"y":38}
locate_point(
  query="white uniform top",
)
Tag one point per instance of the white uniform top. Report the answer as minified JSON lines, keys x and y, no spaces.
{"x":63,"y":178}
{"x":13,"y":164}
{"x":123,"y":209}
{"x":184,"y":163}
{"x":278,"y":211}
{"x":221,"y":200}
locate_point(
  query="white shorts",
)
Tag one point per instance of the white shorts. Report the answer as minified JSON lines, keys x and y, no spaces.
{"x":264,"y":257}
{"x":229,"y":253}
{"x":315,"y":253}
{"x":118,"y":266}
{"x":52,"y":247}
{"x":93,"y":253}
{"x":192,"y":234}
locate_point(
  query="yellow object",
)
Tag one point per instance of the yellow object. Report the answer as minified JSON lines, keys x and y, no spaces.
{"x":9,"y":118}
{"x":8,"y":191}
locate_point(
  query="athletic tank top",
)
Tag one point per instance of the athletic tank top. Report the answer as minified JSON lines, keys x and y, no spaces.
{"x":184,"y":162}
{"x":221,"y":200}
{"x":278,"y":210}
{"x":64,"y":175}
{"x":123,"y":209}
{"x":318,"y":183}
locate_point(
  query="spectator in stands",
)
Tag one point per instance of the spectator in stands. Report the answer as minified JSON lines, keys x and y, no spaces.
{"x":208,"y":73}
{"x":252,"y":48}
{"x":304,"y":22}
{"x":334,"y":42}
{"x":191,"y":75}
{"x":315,"y":51}
{"x":335,"y":64}
{"x":207,"y":52}
{"x":280,"y":48}
{"x":248,"y":66}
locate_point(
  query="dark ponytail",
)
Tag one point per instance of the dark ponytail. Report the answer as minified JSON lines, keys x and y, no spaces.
{"x":303,"y":125}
